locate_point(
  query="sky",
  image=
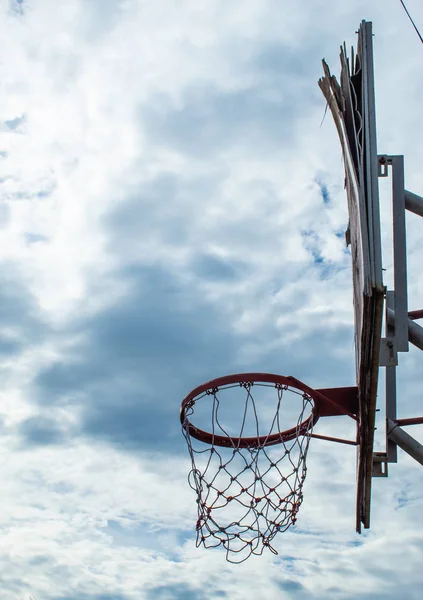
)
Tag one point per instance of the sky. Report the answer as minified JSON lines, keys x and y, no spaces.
{"x":172,"y":209}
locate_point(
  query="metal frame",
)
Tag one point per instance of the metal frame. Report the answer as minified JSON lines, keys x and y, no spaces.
{"x":400,"y":326}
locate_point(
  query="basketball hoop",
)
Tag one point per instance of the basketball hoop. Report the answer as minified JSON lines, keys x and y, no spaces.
{"x":247,"y":491}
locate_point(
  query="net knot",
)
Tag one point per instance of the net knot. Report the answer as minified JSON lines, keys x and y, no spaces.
{"x":246,"y":384}
{"x":212,"y":391}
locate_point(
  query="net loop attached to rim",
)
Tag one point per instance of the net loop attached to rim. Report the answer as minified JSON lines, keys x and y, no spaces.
{"x":249,"y":487}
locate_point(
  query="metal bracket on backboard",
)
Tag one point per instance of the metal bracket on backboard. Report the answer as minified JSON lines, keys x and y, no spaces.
{"x":380,"y":464}
{"x":388,"y":356}
{"x":382,"y":165}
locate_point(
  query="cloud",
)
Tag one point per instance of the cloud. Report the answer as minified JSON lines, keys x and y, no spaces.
{"x":174,"y":592}
{"x":233,"y":117}
{"x":21,"y":321}
{"x":171,"y":212}
{"x":95,"y":596}
{"x":212,"y":267}
{"x":125,"y":375}
{"x":40,"y":430}
{"x":17,"y":6}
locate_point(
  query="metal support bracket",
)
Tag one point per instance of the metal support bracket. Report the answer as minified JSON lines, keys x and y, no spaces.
{"x":380,"y":464}
{"x":397,"y":322}
{"x":405,"y":441}
{"x":415,"y":331}
{"x":388,"y":356}
{"x":382,"y":165}
{"x":400,"y":200}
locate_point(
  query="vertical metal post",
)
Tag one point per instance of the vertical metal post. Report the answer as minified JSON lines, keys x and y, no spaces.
{"x":400,"y":254}
{"x":390,"y":384}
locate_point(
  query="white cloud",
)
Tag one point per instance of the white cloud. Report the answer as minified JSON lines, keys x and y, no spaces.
{"x":162,"y":221}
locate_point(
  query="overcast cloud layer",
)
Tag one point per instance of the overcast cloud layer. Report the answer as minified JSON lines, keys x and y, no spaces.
{"x":171,"y":210}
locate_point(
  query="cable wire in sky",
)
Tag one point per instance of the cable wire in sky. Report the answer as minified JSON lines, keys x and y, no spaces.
{"x":414,"y":25}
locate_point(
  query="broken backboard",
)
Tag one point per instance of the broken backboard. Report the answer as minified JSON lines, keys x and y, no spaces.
{"x":352,"y":104}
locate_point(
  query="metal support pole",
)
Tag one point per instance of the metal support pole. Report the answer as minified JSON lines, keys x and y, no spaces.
{"x":405,"y":441}
{"x":415,"y":334}
{"x":414,"y":203}
{"x":390,"y":384}
{"x":410,"y":421}
{"x":415,"y":314}
{"x":415,"y":331}
{"x":400,"y":253}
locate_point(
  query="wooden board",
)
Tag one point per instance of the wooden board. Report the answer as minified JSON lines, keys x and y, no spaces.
{"x":353,"y":109}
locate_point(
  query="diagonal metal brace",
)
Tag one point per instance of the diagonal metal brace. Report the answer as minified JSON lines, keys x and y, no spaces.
{"x":414,"y":203}
{"x":405,"y":441}
{"x":415,"y":331}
